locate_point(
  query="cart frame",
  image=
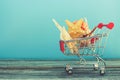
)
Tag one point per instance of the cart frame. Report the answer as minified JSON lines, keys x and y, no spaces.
{"x":93,"y":46}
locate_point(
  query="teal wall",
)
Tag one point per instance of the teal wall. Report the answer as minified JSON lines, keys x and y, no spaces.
{"x":27,"y":30}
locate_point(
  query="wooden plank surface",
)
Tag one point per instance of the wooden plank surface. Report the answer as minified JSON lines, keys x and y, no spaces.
{"x":46,"y":70}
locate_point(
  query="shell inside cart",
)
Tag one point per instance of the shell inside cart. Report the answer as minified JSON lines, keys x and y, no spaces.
{"x":88,"y":45}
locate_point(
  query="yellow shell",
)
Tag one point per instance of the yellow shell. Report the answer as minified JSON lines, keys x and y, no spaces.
{"x":78,"y":28}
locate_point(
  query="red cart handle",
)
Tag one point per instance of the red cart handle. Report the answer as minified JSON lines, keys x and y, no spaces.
{"x":100,"y":26}
{"x":109,"y":26}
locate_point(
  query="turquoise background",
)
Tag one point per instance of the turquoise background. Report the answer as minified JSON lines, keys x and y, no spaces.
{"x":27,"y":30}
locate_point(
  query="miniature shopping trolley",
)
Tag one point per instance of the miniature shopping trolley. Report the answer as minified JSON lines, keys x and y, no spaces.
{"x":93,"y":45}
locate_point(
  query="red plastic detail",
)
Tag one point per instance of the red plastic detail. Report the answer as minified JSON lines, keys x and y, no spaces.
{"x":62,"y":46}
{"x":100,"y":25}
{"x":110,"y":25}
{"x":93,"y":40}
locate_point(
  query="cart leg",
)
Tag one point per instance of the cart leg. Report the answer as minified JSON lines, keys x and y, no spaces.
{"x":82,"y":60}
{"x":100,"y":60}
{"x":102,"y":65}
{"x":102,"y":68}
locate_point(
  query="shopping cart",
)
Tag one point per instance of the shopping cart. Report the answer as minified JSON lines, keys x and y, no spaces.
{"x":93,"y":45}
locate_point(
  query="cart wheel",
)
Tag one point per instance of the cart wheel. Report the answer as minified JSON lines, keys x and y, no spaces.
{"x":70,"y":71}
{"x":95,"y":67}
{"x":102,"y":71}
